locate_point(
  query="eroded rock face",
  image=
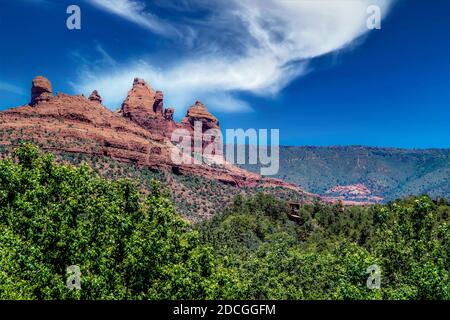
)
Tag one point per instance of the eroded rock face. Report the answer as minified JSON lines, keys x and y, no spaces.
{"x":168,"y":114}
{"x":138,"y":134}
{"x":145,"y":107}
{"x":199,"y":112}
{"x":140,"y":100}
{"x":41,"y":90}
{"x":355,"y":190}
{"x":95,"y":97}
{"x":158,"y":104}
{"x":198,"y":118}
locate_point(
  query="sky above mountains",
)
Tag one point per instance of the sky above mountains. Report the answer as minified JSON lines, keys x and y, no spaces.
{"x":309,"y":68}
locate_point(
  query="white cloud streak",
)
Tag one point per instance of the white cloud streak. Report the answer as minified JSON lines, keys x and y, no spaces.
{"x":272,"y":42}
{"x":135,"y":11}
{"x":4,"y":86}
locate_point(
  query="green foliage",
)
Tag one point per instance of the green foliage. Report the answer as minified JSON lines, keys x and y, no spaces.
{"x":132,"y":245}
{"x":127,"y":246}
{"x":327,"y":254}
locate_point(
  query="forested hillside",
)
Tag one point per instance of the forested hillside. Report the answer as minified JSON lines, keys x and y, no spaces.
{"x":387,"y":172}
{"x":130,"y":244}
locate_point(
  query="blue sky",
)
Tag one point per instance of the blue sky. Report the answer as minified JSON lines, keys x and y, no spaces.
{"x":309,"y":68}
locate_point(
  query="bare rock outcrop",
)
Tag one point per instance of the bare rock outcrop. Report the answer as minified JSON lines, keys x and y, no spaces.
{"x":138,"y":134}
{"x":168,"y":114}
{"x":199,"y":112}
{"x":145,"y":107}
{"x":351,"y":195}
{"x":95,"y":97}
{"x":158,"y":104}
{"x":41,"y":90}
{"x":139,"y":101}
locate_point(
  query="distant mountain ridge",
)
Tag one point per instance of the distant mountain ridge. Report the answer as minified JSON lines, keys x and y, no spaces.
{"x":389,"y":173}
{"x":134,"y":142}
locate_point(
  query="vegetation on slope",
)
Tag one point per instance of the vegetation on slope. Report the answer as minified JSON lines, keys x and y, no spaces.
{"x":127,"y":245}
{"x":326,"y":255}
{"x":194,"y":197}
{"x":388,"y":172}
{"x":132,"y":245}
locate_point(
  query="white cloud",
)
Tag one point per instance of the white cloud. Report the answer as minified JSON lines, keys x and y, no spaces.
{"x":135,"y":11}
{"x":4,"y":86}
{"x":254,"y":46}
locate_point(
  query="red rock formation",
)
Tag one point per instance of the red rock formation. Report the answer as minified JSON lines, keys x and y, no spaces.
{"x":199,"y":118}
{"x":139,"y":102}
{"x":159,"y":103}
{"x":199,"y":112}
{"x":41,"y":90}
{"x":137,"y":134}
{"x":145,"y":107}
{"x":355,"y":190}
{"x":168,"y":114}
{"x":95,"y":97}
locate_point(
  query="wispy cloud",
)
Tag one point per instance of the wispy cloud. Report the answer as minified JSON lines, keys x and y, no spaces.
{"x":4,"y":86}
{"x":255,"y":46}
{"x":135,"y":11}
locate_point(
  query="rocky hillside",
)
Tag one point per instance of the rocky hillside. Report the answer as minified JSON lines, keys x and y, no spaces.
{"x":366,"y":174}
{"x":137,"y":135}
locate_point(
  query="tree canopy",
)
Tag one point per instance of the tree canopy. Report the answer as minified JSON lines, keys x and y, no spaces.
{"x":59,"y":222}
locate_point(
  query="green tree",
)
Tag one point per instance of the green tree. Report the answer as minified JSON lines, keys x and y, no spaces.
{"x":127,"y":245}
